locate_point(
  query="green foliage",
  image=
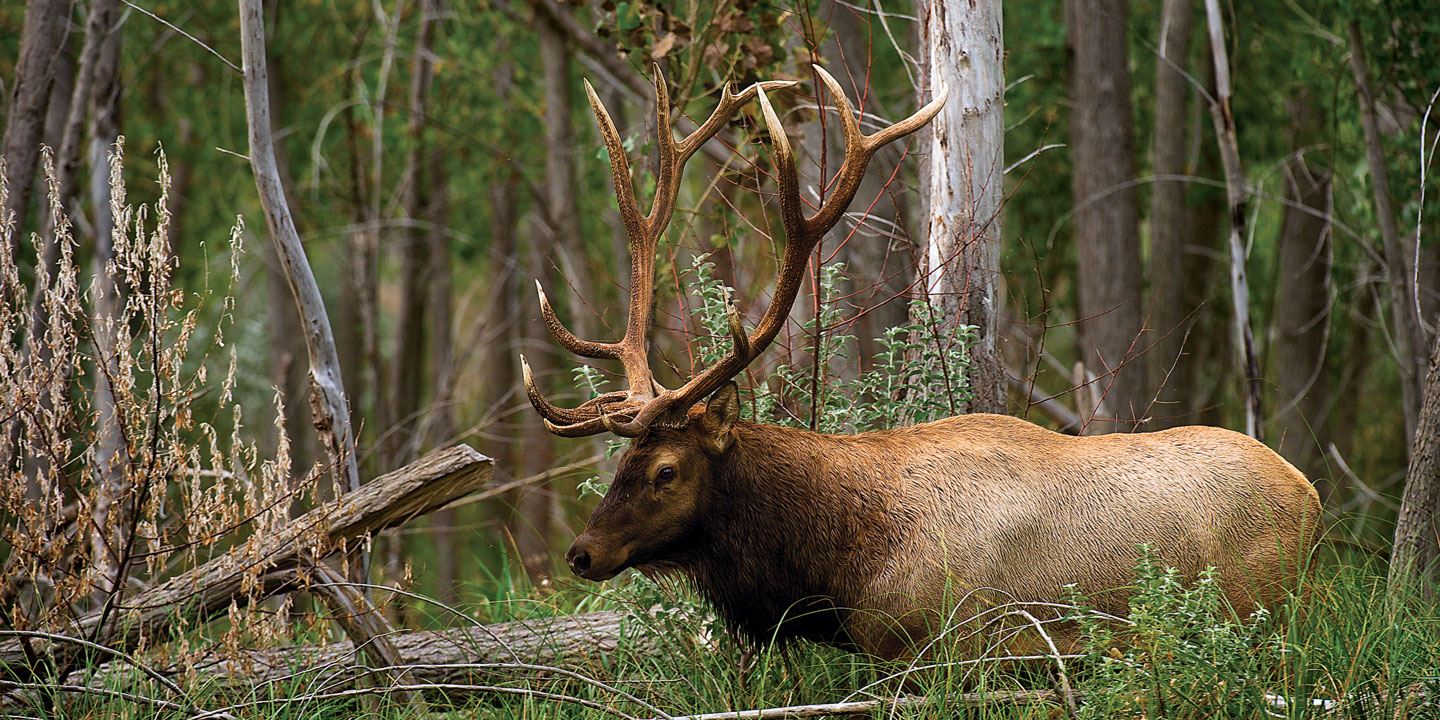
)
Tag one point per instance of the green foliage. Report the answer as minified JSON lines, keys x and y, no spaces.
{"x":916,"y":376}
{"x":1182,"y":654}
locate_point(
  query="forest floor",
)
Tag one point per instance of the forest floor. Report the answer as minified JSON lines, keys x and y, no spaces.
{"x":1180,"y":655}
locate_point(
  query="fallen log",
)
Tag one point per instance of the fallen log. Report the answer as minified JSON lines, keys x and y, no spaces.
{"x":266,"y":562}
{"x":586,"y":644}
{"x":442,"y":664}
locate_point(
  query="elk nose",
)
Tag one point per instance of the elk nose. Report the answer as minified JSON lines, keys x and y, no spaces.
{"x":579,"y":561}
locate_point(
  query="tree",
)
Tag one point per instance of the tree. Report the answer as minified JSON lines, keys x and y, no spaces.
{"x":1302,"y":300}
{"x":40,"y":46}
{"x":1171,"y":312}
{"x":1413,"y":562}
{"x":1107,"y":231}
{"x":963,"y":183}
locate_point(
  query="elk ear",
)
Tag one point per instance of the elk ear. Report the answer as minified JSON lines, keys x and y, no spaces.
{"x":718,"y":422}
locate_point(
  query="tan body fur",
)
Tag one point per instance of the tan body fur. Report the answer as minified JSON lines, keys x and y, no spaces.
{"x":895,"y":528}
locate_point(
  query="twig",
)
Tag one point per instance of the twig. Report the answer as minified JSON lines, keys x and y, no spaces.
{"x":865,"y":707}
{"x":525,"y":481}
{"x":450,"y":687}
{"x":129,"y":659}
{"x":192,"y":38}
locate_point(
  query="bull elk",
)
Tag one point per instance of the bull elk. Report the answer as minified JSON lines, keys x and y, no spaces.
{"x":871,"y":541}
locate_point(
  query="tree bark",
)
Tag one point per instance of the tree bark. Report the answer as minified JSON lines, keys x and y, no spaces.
{"x":963,"y":182}
{"x":1235,"y":191}
{"x":1413,"y":561}
{"x":1302,"y":304}
{"x":1106,"y":225}
{"x":1409,"y":336}
{"x":40,"y":46}
{"x":1171,"y":313}
{"x":539,"y":509}
{"x":288,"y":372}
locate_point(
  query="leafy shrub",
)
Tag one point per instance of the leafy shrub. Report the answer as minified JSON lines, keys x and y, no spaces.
{"x":1183,"y":653}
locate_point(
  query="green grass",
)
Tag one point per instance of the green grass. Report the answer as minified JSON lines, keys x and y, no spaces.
{"x":1183,"y":656}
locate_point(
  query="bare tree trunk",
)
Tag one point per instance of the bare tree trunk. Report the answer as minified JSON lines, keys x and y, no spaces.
{"x":287,"y":349}
{"x":1418,"y":525}
{"x":440,"y":419}
{"x":503,"y":319}
{"x":1106,"y":225}
{"x":1208,"y":368}
{"x":1302,"y":306}
{"x":112,"y":518}
{"x":561,"y":205}
{"x":1171,"y":315}
{"x":403,"y":440}
{"x":536,"y":507}
{"x":1358,"y":358}
{"x":539,"y":509}
{"x":40,"y":47}
{"x":1409,"y":336}
{"x":963,"y":183}
{"x":98,"y":24}
{"x":1224,"y":121}
{"x":327,"y":402}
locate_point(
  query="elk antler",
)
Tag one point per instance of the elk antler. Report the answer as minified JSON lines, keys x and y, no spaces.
{"x":630,"y":412}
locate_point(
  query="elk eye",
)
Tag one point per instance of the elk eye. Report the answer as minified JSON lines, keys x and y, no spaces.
{"x":666,"y":474}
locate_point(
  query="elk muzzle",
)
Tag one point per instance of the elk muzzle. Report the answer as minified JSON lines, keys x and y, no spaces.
{"x":591,"y":560}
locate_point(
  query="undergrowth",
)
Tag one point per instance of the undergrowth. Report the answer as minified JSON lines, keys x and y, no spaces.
{"x":1180,"y":654}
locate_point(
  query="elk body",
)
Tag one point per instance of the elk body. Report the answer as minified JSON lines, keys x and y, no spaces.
{"x":879,"y":540}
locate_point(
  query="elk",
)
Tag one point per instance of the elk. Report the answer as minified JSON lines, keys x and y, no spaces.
{"x":873,"y":541}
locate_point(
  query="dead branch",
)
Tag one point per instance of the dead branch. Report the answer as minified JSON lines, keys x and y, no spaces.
{"x":327,"y":389}
{"x":441,"y":663}
{"x":866,"y":707}
{"x":267,"y":562}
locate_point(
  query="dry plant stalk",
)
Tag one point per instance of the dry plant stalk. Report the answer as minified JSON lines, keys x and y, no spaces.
{"x":110,"y":478}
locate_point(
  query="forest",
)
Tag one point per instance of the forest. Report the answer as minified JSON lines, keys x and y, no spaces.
{"x":287,"y":431}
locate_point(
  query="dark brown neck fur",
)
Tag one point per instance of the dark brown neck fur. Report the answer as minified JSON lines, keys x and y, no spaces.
{"x":791,"y":535}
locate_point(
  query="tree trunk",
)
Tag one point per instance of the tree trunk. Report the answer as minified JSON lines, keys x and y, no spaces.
{"x":112,"y":526}
{"x":1302,"y":305}
{"x":1409,"y":337}
{"x":1418,"y":525}
{"x":1106,"y":226}
{"x":287,"y":349}
{"x":879,"y":270}
{"x":566,"y":242}
{"x":536,"y":508}
{"x":439,"y":422}
{"x":1223,"y":119}
{"x":402,"y":442}
{"x":539,"y":509}
{"x":327,"y":401}
{"x":509,"y":307}
{"x":40,"y":47}
{"x":1171,"y":314}
{"x":963,"y":184}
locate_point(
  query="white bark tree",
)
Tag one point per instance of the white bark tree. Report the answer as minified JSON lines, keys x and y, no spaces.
{"x":963,"y":179}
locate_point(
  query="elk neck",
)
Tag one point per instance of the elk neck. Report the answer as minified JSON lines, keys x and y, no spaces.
{"x":796,"y":527}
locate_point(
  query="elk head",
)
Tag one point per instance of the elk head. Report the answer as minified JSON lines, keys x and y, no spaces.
{"x":664,"y":478}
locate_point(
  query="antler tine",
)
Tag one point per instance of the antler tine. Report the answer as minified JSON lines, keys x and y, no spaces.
{"x":802,"y":234}
{"x":645,"y":403}
{"x":859,"y":148}
{"x":567,"y":339}
{"x":619,"y":164}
